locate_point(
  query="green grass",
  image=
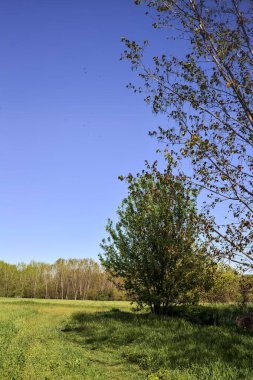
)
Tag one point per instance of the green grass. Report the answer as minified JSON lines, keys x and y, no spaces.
{"x":53,"y":339}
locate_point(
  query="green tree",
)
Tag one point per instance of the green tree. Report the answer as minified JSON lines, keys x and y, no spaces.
{"x":225,"y":287}
{"x":155,"y":246}
{"x":207,"y":94}
{"x":8,"y":279}
{"x":66,"y":279}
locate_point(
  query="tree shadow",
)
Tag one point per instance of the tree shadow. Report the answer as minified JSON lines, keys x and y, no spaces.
{"x":190,"y":337}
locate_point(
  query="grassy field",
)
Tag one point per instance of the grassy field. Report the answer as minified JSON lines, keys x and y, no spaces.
{"x":53,"y":339}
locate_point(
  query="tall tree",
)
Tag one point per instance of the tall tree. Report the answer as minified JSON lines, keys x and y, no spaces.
{"x":155,"y":246}
{"x":207,"y":95}
{"x":72,"y":278}
{"x":8,"y":279}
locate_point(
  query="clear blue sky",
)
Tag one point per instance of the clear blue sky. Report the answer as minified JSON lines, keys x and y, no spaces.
{"x":68,"y":125}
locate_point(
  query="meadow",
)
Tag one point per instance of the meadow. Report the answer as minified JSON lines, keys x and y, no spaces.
{"x":55,"y":339}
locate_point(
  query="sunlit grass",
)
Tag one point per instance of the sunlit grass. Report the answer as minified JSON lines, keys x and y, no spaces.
{"x":32,"y":345}
{"x":55,"y":339}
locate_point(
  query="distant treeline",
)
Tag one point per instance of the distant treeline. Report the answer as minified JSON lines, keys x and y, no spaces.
{"x":77,"y":279}
{"x":82,"y":279}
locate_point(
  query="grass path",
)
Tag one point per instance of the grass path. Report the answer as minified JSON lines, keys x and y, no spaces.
{"x":32,"y":345}
{"x":88,"y":340}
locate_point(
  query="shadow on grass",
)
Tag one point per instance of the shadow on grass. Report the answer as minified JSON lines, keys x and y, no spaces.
{"x":190,"y":337}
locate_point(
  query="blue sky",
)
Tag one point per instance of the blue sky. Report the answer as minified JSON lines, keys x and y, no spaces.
{"x":68,"y":125}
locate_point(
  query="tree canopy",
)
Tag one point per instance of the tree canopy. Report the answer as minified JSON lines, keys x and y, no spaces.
{"x":65,"y":279}
{"x":207,"y":94}
{"x":155,"y":246}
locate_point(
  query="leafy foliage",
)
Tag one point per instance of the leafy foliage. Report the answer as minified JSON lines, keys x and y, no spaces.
{"x":208,"y":96}
{"x":225,"y":287}
{"x":155,"y":246}
{"x":65,"y":279}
